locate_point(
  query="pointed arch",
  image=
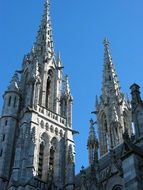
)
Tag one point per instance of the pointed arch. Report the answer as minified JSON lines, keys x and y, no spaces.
{"x":117,"y":187}
{"x":47,"y":126}
{"x":43,"y":157}
{"x":26,"y":87}
{"x":125,"y":117}
{"x":42,"y":124}
{"x":52,"y":158}
{"x":49,"y":90}
{"x":115,"y":133}
{"x":115,"y":183}
{"x":54,"y":142}
{"x":103,"y":134}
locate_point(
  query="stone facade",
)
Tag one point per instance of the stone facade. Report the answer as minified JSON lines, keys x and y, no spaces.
{"x":36,"y":135}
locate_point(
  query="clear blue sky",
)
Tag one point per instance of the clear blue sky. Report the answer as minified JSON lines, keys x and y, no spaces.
{"x":79,"y":27}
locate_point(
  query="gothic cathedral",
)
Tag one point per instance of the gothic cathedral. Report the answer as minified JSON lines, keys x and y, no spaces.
{"x":36,"y":141}
{"x":36,"y":135}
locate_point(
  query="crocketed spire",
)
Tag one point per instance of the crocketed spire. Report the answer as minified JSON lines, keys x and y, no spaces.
{"x":44,"y":41}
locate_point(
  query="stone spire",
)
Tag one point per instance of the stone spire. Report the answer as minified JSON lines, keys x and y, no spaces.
{"x":66,"y":86}
{"x":110,"y":81}
{"x":59,"y":62}
{"x":113,"y":110}
{"x":44,"y":40}
{"x":92,"y":144}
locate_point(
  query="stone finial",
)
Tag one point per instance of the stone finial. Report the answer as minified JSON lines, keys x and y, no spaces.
{"x":96,"y":101}
{"x":70,"y":155}
{"x":92,"y":139}
{"x":114,"y":114}
{"x":107,"y":55}
{"x":59,"y":62}
{"x":106,"y":42}
{"x":14,"y":83}
{"x":66,"y":88}
{"x":126,"y":135}
{"x":83,"y":177}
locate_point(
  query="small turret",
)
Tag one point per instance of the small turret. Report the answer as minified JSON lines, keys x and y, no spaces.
{"x":135,"y":92}
{"x":66,"y":101}
{"x":8,"y":127}
{"x":59,"y":62}
{"x":12,"y":97}
{"x":83,"y":178}
{"x":92,"y":145}
{"x":137,"y":110}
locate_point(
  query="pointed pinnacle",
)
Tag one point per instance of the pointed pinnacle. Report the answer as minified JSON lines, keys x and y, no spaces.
{"x":59,"y":55}
{"x":107,"y":56}
{"x":47,"y":4}
{"x":14,"y":82}
{"x":106,"y":42}
{"x":96,"y":101}
{"x":92,"y":139}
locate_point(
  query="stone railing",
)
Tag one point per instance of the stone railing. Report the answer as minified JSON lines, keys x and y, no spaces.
{"x":51,"y":115}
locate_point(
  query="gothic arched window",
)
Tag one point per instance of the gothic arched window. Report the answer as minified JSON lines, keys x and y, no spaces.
{"x":47,"y":126}
{"x":117,"y":187}
{"x":104,"y":134}
{"x":51,"y":160}
{"x":42,"y":124}
{"x":6,"y":122}
{"x":48,"y":91}
{"x":61,"y":133}
{"x":115,"y":130}
{"x":56,"y":131}
{"x":41,"y":157}
{"x":3,"y":137}
{"x":125,"y":118}
{"x":48,"y":88}
{"x":52,"y":157}
{"x":51,"y":128}
{"x":1,"y":151}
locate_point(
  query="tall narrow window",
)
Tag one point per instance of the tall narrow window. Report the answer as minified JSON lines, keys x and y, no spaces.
{"x":9,"y":101}
{"x":3,"y":137}
{"x":6,"y":122}
{"x":1,"y":151}
{"x":48,"y":92}
{"x":41,"y":155}
{"x":51,"y":161}
{"x":106,"y":136}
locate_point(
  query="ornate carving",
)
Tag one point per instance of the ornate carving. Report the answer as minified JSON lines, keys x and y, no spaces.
{"x":70,"y":155}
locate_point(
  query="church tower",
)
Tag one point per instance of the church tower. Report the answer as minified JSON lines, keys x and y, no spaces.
{"x":113,"y":110}
{"x":36,"y":142}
